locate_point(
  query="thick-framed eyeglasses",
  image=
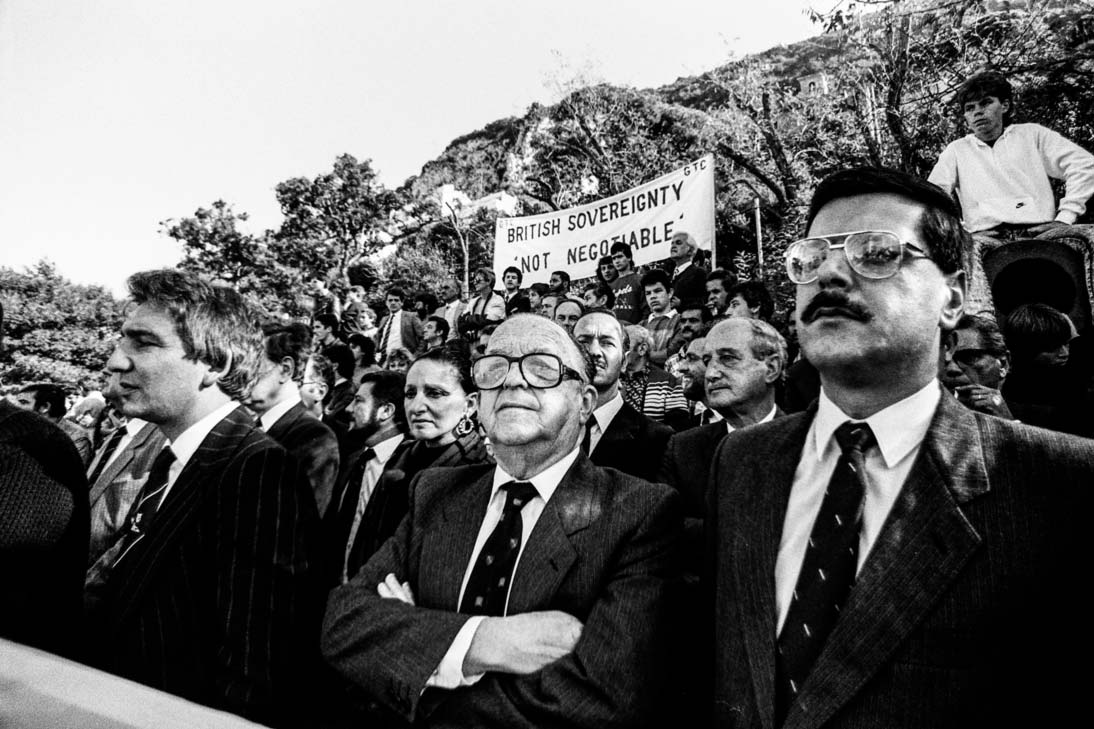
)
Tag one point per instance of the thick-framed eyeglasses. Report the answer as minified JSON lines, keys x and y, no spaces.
{"x":870,"y":253}
{"x":539,"y":369}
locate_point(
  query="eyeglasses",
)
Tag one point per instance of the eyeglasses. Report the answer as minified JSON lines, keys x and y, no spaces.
{"x":539,"y":370}
{"x":870,"y":253}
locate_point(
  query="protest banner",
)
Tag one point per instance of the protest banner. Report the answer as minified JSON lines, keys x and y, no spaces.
{"x":644,"y":217}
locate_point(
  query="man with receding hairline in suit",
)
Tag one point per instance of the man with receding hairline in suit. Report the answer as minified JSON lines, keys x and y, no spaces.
{"x":529,"y":594}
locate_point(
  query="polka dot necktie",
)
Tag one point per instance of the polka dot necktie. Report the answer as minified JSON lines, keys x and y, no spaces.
{"x":488,"y":586}
{"x":828,"y":569}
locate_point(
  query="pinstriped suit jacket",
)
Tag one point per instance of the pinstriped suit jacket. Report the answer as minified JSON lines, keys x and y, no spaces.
{"x":603,"y":551}
{"x":215,"y":604}
{"x":960,"y":614}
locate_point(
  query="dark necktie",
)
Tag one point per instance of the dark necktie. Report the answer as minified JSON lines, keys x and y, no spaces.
{"x":828,"y":569}
{"x":488,"y":586}
{"x":108,"y":451}
{"x":587,"y":441}
{"x":141,"y":515}
{"x":384,"y":335}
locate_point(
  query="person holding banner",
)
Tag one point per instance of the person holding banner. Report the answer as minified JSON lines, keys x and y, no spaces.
{"x":688,"y":279}
{"x":630,"y":300}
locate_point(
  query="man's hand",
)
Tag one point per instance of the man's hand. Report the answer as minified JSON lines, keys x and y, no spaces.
{"x":392,"y":589}
{"x":983,"y":399}
{"x":523,"y":643}
{"x":1045,"y":227}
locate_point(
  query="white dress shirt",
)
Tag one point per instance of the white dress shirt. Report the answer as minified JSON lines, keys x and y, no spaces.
{"x":186,"y":445}
{"x":449,"y":673}
{"x":900,"y":430}
{"x":373,"y":470}
{"x":271,"y":416}
{"x":602,"y":418}
{"x":395,"y":333}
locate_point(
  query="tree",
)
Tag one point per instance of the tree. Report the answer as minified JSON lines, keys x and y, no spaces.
{"x":54,"y":330}
{"x":333,"y":221}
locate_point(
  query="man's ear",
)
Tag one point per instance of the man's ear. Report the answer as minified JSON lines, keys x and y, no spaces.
{"x":287,"y":368}
{"x":954,"y":304}
{"x":386,"y":411}
{"x":773,"y":367}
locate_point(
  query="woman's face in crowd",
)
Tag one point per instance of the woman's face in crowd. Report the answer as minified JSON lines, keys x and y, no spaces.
{"x":435,"y":402}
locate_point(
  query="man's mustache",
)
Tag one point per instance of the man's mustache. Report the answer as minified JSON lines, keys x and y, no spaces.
{"x":834,"y":299}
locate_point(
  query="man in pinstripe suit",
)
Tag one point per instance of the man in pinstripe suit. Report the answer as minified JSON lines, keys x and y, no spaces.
{"x":208,"y":593}
{"x":573,"y":635}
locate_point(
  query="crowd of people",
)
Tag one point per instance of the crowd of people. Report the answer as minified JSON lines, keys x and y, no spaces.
{"x":627,"y":502}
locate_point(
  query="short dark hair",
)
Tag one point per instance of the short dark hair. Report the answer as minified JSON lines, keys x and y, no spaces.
{"x":342,"y":358}
{"x":622,"y":248}
{"x":214,"y":323}
{"x":939,"y":226}
{"x":728,"y":278}
{"x":330,"y":321}
{"x":442,"y":325}
{"x":562,"y":276}
{"x":756,"y":296}
{"x":601,"y":289}
{"x":517,"y":271}
{"x":428,"y":300}
{"x":654,"y":277}
{"x":46,"y":393}
{"x":289,"y":341}
{"x":396,"y":292}
{"x":457,"y":357}
{"x":387,"y":389}
{"x":991,"y":336}
{"x":367,"y":345}
{"x":540,"y":288}
{"x":1035,"y":328}
{"x":695,"y":305}
{"x":982,"y":85}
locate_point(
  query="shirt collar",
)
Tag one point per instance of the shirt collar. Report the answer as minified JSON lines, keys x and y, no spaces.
{"x":385,"y":448}
{"x":607,"y":412}
{"x":770,"y":416}
{"x":133,"y":426}
{"x":271,"y":416}
{"x":681,"y":268}
{"x":898,"y":428}
{"x":186,"y":445}
{"x":545,"y":482}
{"x":668,"y":313}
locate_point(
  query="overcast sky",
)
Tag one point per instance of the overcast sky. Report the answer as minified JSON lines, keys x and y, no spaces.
{"x":118,"y":114}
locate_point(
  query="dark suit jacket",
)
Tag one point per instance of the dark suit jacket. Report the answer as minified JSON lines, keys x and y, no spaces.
{"x":43,"y":531}
{"x":411,"y":329}
{"x":113,"y":493}
{"x":633,"y":443}
{"x":603,"y":551}
{"x":691,"y":285}
{"x":315,"y":448}
{"x":216,"y":603}
{"x":388,"y":503}
{"x":519,"y":301}
{"x":957,"y":617}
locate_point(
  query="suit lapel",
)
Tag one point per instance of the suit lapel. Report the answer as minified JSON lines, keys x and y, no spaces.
{"x":621,"y":433}
{"x":549,"y":553}
{"x":925,"y":543}
{"x":120,"y":463}
{"x":446,"y":554}
{"x":179,"y":508}
{"x":284,"y":424}
{"x":761,"y":512}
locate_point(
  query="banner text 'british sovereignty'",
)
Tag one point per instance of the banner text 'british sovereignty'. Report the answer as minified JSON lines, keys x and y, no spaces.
{"x":644,"y":217}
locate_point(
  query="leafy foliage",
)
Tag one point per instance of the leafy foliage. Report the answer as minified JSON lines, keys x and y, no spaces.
{"x":54,"y":330}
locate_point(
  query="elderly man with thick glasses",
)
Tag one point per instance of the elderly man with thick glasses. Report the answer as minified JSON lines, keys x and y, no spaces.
{"x":531,"y":593}
{"x":889,"y":557}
